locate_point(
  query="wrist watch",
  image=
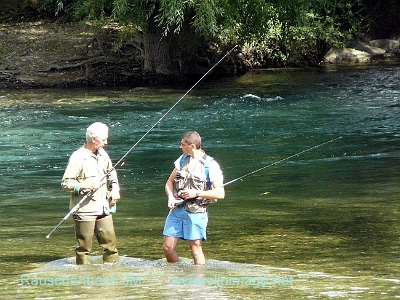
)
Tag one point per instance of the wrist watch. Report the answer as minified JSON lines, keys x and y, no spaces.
{"x":198,"y":194}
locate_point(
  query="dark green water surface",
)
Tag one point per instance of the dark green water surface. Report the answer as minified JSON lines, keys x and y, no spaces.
{"x":321,"y":225}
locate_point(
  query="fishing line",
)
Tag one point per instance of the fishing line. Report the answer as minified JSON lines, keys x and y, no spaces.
{"x":280,"y":161}
{"x":77,"y":206}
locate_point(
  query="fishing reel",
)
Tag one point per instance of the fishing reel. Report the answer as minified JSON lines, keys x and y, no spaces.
{"x":179,"y":193}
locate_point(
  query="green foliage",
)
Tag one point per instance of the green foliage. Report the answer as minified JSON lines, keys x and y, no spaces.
{"x":133,"y":11}
{"x":59,"y":8}
{"x":280,"y":31}
{"x":202,"y":15}
{"x":297,"y":32}
{"x":92,"y":9}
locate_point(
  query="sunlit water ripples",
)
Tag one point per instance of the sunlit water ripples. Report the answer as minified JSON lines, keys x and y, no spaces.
{"x":321,"y":225}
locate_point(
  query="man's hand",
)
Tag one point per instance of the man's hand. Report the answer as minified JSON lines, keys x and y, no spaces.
{"x":172,"y":202}
{"x":115,"y":196}
{"x":188,"y":194}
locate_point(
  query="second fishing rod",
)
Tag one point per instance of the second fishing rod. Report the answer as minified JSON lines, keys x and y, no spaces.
{"x":88,"y":194}
{"x":280,"y":161}
{"x":240,"y":178}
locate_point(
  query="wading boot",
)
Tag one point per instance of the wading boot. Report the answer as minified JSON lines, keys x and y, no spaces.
{"x":84,"y":235}
{"x":105,"y":234}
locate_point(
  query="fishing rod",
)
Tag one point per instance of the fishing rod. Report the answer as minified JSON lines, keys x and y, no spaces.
{"x":173,"y":106}
{"x":280,"y":161}
{"x":77,"y":206}
{"x":267,"y":166}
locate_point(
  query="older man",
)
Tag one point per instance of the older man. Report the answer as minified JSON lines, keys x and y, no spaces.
{"x":90,"y":170}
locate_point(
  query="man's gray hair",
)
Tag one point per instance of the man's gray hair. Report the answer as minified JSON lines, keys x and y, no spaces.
{"x":192,"y":137}
{"x":97,"y":129}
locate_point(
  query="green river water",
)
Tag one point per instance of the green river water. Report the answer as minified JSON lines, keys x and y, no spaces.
{"x":320,"y":225}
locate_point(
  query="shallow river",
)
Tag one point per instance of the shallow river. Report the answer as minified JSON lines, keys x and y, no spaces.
{"x":323,"y":224}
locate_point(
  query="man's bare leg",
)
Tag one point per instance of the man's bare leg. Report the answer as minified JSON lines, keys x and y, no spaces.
{"x":169,"y":247}
{"x":197,"y":252}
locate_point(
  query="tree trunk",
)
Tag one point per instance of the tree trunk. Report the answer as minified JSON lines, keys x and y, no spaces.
{"x":157,"y":59}
{"x":173,"y":55}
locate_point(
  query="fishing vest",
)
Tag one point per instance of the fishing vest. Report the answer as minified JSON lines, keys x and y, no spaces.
{"x":194,"y":176}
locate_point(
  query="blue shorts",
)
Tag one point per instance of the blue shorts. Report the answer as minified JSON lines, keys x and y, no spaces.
{"x":186,"y":225}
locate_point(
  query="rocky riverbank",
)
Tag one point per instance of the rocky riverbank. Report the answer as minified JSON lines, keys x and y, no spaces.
{"x":41,"y":54}
{"x":365,"y":51}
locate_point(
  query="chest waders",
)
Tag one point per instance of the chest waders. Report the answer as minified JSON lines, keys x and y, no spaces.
{"x":104,"y":231}
{"x":194,"y":175}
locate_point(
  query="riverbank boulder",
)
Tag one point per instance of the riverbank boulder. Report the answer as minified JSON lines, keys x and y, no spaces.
{"x":365,"y":52}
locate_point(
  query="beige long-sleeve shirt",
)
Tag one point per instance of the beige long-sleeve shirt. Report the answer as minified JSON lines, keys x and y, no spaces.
{"x":85,"y":165}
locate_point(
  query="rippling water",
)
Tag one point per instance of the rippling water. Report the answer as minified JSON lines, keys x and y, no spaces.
{"x":324,"y":224}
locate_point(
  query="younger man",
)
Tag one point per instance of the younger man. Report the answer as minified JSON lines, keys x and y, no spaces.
{"x":196,"y":180}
